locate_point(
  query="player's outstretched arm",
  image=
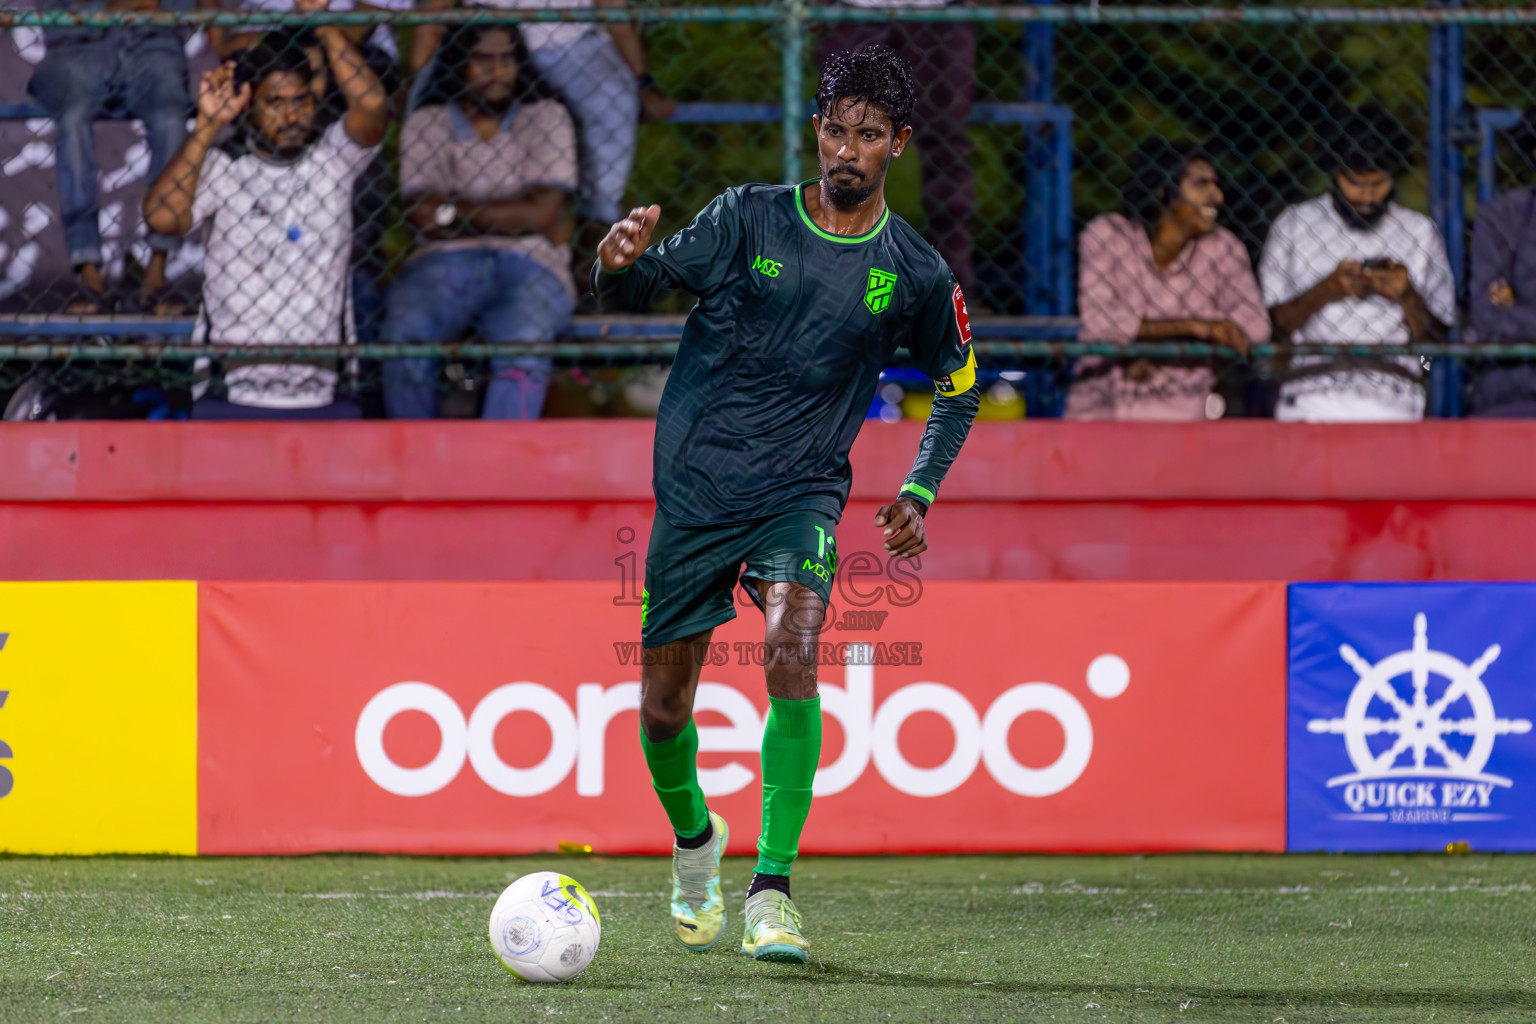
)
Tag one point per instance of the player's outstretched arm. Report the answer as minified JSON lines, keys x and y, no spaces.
{"x":627,"y":239}
{"x":617,"y":282}
{"x":703,"y":258}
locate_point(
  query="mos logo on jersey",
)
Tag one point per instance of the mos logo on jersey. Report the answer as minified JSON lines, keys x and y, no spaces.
{"x":877,"y":294}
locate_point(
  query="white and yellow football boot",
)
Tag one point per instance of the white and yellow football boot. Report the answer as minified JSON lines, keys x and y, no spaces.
{"x":698,"y":912}
{"x":773,"y":929}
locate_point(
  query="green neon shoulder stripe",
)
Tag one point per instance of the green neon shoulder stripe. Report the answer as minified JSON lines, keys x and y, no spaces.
{"x":829,"y":236}
{"x":917,"y":489}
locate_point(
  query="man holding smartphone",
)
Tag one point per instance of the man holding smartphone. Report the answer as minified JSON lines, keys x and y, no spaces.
{"x":1353,"y":266}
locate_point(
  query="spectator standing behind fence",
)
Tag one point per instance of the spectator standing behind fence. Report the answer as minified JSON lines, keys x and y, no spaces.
{"x":1162,"y":270}
{"x":943,"y":58}
{"x":280,"y":207}
{"x":89,"y":73}
{"x":1353,"y":266}
{"x":1503,"y":293}
{"x":485,"y":175}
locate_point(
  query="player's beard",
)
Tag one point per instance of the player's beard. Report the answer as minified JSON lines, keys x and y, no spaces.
{"x":851,"y":196}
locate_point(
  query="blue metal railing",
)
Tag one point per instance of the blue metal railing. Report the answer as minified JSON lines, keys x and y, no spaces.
{"x":1491,"y":121}
{"x":42,"y":325}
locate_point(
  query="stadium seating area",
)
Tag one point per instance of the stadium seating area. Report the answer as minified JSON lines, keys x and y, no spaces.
{"x":1067,"y":198}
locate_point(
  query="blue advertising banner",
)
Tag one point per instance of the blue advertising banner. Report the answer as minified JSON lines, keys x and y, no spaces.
{"x":1409,"y":716}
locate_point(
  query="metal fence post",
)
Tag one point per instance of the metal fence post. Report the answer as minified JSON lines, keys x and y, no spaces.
{"x":1447,"y":94}
{"x":1047,"y":244}
{"x":1437,"y":127}
{"x":1455,"y":199}
{"x":1039,"y":182}
{"x":792,"y":97}
{"x":1455,"y":226}
{"x":1446,"y":98}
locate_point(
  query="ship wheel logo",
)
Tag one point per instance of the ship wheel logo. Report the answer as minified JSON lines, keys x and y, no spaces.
{"x":1443,"y":728}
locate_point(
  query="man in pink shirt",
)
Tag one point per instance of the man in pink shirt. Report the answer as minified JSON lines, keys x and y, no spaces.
{"x":1163,"y":270}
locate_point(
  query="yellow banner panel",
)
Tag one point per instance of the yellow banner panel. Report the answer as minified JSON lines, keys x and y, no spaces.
{"x":98,"y":717}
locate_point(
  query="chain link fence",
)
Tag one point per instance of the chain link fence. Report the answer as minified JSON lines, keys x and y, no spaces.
{"x":391,"y":212}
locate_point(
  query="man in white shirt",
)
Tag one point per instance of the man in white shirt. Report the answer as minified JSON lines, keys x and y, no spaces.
{"x":281,"y":212}
{"x":1352,"y":266}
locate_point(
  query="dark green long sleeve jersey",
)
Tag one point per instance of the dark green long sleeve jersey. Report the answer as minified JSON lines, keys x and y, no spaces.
{"x":781,"y":356}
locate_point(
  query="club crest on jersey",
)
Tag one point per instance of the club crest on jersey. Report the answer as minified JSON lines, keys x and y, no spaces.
{"x":877,"y":294}
{"x":962,"y":317}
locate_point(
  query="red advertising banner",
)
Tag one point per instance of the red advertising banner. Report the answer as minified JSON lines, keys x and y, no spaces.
{"x":966,"y":716}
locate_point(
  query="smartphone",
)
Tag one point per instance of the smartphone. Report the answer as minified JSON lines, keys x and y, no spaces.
{"x":1379,"y":263}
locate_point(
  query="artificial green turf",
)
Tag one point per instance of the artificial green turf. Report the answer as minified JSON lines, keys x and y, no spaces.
{"x":1174,"y":938}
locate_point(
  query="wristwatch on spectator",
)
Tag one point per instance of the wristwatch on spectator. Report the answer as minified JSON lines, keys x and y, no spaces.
{"x":644,"y":81}
{"x":445,"y":215}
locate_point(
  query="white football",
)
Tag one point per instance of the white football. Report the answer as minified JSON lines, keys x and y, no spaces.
{"x":545,"y":927}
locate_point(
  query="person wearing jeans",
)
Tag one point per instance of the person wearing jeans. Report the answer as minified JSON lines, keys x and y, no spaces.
{"x":505,"y":296}
{"x":89,"y":73}
{"x":485,"y":178}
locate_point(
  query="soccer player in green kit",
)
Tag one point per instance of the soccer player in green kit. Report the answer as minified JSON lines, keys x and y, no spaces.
{"x":804,"y":293}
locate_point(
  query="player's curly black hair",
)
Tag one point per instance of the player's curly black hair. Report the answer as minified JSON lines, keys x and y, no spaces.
{"x":872,"y":73}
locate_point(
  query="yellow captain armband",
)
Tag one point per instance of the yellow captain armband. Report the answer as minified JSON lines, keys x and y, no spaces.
{"x":961,"y":380}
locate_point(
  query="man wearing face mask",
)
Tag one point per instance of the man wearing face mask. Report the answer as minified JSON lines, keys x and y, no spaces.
{"x":487,"y":169}
{"x":1162,"y":270}
{"x":279,"y":197}
{"x":1352,"y":266}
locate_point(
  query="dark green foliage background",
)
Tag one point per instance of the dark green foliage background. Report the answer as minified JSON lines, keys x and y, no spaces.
{"x":1255,"y":95}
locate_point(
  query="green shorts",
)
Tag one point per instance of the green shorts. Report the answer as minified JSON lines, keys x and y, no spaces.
{"x":691,"y":572}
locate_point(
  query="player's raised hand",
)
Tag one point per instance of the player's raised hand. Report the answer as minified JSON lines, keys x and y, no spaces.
{"x":902,"y":523}
{"x":627,"y":239}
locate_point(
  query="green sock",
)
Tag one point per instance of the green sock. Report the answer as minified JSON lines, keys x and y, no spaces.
{"x":791,"y":748}
{"x":675,"y":776}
